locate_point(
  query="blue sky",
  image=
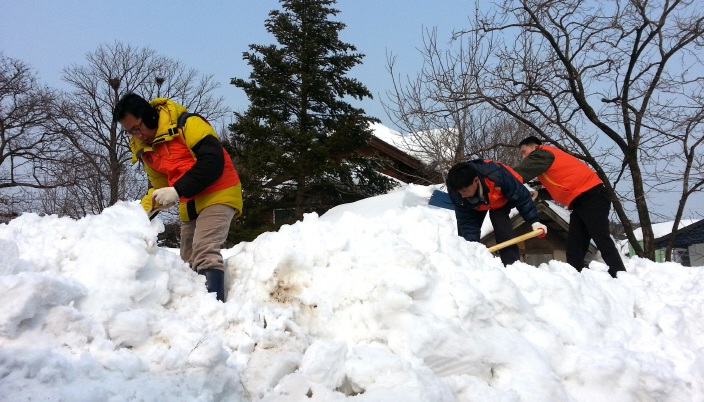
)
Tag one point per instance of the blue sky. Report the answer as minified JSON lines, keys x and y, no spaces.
{"x":211,"y":35}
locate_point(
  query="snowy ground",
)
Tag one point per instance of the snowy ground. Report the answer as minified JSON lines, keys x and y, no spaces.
{"x":374,"y":301}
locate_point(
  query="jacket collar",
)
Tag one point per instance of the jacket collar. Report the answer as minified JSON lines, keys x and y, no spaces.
{"x":166,"y":129}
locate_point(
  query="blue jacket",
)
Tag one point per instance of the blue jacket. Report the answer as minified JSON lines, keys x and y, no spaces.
{"x":497,"y":182}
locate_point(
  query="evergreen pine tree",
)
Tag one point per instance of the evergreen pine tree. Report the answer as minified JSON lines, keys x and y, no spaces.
{"x":297,"y":145}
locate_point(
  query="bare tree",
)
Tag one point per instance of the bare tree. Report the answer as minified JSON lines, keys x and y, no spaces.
{"x":84,"y":117}
{"x":581,"y":73}
{"x":446,"y":130}
{"x":29,"y":155}
{"x":683,"y":172}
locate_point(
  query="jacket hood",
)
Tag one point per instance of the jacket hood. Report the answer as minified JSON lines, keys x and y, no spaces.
{"x":168,"y":114}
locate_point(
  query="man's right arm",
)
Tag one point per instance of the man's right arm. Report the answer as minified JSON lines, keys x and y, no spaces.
{"x":537,"y":163}
{"x":469,"y":222}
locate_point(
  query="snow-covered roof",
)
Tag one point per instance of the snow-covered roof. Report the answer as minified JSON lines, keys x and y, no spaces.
{"x":663,"y":228}
{"x":562,"y":212}
{"x":410,"y":144}
{"x":386,"y":134}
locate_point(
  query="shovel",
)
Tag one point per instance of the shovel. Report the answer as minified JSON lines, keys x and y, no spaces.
{"x":154,"y":211}
{"x":515,"y":240}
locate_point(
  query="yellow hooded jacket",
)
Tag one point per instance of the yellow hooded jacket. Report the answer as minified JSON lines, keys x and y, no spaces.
{"x":171,"y":156}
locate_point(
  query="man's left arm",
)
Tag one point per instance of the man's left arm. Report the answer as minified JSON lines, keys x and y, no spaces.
{"x":537,"y":163}
{"x":210,"y":159}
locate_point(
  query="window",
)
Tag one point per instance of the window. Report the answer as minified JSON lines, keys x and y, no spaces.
{"x":284,"y":214}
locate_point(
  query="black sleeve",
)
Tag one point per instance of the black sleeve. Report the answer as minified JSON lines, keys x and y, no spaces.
{"x":210,"y":163}
{"x":537,"y":163}
{"x":469,"y":223}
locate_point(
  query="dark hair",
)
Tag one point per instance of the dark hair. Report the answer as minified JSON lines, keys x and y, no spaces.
{"x":138,"y":107}
{"x":530,"y":141}
{"x":460,"y":176}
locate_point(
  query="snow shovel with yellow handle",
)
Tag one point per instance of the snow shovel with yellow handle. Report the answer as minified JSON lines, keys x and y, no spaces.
{"x":515,"y":240}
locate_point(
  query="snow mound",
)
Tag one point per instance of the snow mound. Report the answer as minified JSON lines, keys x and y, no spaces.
{"x":374,"y":301}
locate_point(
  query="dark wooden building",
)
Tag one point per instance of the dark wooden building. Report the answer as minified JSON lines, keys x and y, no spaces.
{"x":397,"y":164}
{"x":400,"y":165}
{"x":553,"y":246}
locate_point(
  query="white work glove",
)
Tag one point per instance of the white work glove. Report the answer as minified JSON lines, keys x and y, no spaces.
{"x":538,"y":225}
{"x":165,"y":195}
{"x":533,"y":194}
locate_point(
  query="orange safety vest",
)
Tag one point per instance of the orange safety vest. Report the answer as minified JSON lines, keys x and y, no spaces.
{"x":568,"y":176}
{"x":496,"y":198}
{"x":174,"y":159}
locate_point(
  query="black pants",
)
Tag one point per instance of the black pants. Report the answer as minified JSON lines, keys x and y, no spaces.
{"x":504,"y":231}
{"x":590,"y":220}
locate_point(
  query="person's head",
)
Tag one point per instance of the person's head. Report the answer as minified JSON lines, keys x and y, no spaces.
{"x":463,"y":179}
{"x":137,"y":117}
{"x":529,"y":145}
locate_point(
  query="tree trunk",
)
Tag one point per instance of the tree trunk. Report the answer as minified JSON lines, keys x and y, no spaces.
{"x":300,"y":192}
{"x":641,"y":205}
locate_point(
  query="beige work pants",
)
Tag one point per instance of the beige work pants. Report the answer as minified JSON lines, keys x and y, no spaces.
{"x":202,"y":238}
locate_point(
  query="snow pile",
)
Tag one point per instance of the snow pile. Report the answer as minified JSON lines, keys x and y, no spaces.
{"x":374,"y":301}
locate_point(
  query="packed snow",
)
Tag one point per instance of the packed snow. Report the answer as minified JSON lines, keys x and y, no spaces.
{"x":377,"y":300}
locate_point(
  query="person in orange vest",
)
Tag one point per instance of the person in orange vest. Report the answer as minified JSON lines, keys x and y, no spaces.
{"x":571,"y":182}
{"x":479,"y":186}
{"x":185,"y":163}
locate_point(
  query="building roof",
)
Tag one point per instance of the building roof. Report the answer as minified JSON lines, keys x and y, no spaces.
{"x":404,"y":165}
{"x":663,"y":228}
{"x":692,"y":233}
{"x":426,"y":146}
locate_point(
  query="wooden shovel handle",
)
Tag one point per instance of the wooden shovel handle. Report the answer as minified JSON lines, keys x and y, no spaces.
{"x":515,"y":240}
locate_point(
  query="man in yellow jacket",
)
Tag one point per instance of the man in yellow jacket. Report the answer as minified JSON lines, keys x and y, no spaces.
{"x":185,"y":163}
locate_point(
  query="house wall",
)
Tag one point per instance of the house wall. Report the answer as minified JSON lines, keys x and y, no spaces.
{"x":660,"y":254}
{"x":551,"y":247}
{"x":540,"y":250}
{"x":561,"y":255}
{"x":696,"y":255}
